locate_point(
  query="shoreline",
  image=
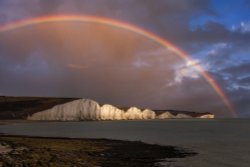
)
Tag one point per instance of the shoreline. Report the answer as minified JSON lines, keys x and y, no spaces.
{"x":14,"y":121}
{"x":58,"y":151}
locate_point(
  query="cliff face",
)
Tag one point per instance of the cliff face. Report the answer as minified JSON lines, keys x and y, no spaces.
{"x":86,"y":109}
{"x":207,"y":116}
{"x":76,"y":110}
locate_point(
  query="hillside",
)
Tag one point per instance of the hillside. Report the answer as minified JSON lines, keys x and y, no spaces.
{"x":22,"y":107}
{"x":13,"y":108}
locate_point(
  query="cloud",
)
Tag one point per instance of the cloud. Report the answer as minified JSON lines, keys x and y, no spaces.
{"x":238,"y":70}
{"x":185,"y":70}
{"x":245,"y":27}
{"x":46,"y":59}
{"x":234,"y":81}
{"x":215,"y":46}
{"x":75,"y":66}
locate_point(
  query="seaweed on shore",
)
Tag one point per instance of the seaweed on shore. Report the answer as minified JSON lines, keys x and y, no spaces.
{"x":59,"y":152}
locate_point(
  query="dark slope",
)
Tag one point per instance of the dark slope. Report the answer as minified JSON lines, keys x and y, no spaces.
{"x":21,"y":107}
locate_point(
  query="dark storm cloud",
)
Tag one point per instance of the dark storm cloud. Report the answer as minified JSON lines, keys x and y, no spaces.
{"x":145,"y":13}
{"x":239,"y":70}
{"x":49,"y":6}
{"x":229,"y":62}
{"x":245,"y":81}
{"x":169,"y":19}
{"x":240,"y":97}
{"x":139,"y":75}
{"x":213,"y":32}
{"x":166,"y":18}
{"x":235,"y":82}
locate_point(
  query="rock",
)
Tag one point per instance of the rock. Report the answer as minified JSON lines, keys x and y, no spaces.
{"x":109,"y":112}
{"x":165,"y":115}
{"x":133,"y":113}
{"x":148,"y":114}
{"x":86,"y":109}
{"x":207,"y":116}
{"x":83,"y":109}
{"x":183,"y":116}
{"x":5,"y":149}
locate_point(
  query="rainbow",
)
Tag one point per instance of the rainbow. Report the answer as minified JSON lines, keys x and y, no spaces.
{"x":128,"y":27}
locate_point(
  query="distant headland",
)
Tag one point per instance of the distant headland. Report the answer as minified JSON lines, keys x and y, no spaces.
{"x":75,"y":109}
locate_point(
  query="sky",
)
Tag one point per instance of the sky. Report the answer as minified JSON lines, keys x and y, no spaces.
{"x":112,"y":65}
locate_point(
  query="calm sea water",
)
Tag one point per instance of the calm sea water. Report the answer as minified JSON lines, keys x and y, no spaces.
{"x":219,"y":142}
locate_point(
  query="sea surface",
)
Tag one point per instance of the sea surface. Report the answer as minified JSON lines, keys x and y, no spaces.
{"x":218,"y":142}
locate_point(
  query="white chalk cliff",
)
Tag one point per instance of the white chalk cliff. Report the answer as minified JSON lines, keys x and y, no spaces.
{"x":86,"y":109}
{"x":207,"y":116}
{"x":165,"y":115}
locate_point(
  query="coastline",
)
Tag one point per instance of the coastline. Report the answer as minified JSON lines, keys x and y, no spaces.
{"x":203,"y":136}
{"x":58,"y":151}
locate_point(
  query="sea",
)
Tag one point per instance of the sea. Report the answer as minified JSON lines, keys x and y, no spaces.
{"x":218,"y":142}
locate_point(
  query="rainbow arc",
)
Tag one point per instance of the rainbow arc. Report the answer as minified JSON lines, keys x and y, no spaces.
{"x":119,"y":24}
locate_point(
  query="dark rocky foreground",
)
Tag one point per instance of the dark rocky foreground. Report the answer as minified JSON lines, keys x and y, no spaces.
{"x":58,"y":152}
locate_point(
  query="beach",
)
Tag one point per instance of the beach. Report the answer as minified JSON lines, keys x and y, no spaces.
{"x":59,"y":152}
{"x":216,"y":142}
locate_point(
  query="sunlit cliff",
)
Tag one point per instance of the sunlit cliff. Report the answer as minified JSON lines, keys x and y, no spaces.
{"x":85,"y":109}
